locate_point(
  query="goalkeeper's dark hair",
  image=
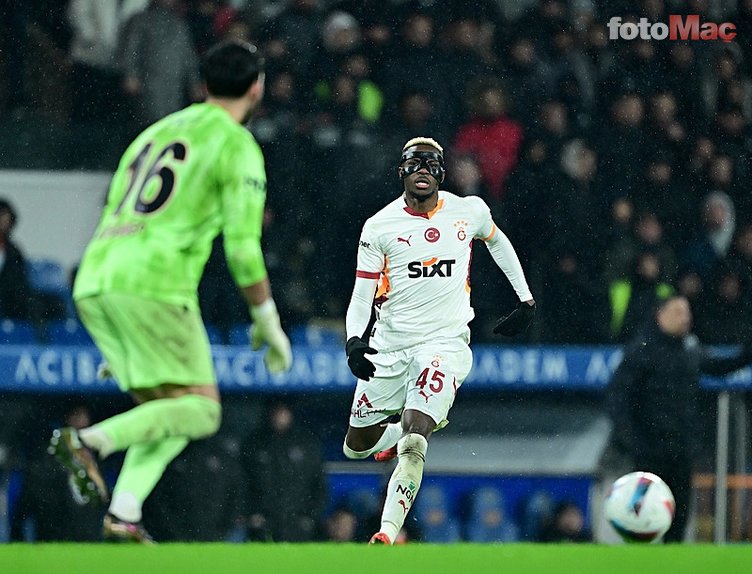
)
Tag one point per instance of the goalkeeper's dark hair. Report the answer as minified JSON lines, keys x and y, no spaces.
{"x":230,"y":68}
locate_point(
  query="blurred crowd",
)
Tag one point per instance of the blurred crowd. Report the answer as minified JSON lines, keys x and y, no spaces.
{"x":616,"y":167}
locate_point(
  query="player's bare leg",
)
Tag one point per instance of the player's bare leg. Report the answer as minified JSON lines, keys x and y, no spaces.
{"x":407,"y":476}
{"x":362,"y":442}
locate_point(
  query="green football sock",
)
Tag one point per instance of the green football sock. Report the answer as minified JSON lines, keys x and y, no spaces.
{"x":189,"y":416}
{"x":143,"y":467}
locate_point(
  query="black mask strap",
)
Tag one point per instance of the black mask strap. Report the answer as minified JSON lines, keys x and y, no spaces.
{"x":424,"y":157}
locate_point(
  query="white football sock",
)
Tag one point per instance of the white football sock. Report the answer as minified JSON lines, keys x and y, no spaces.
{"x":126,"y":507}
{"x":404,"y":484}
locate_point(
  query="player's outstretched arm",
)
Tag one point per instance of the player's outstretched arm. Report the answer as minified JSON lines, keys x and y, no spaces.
{"x":504,"y":255}
{"x":241,"y":171}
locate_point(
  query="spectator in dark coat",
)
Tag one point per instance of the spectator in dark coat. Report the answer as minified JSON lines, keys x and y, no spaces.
{"x":529,"y":192}
{"x":14,"y":286}
{"x":575,"y":305}
{"x":674,"y":204}
{"x":647,"y":234}
{"x":46,"y":510}
{"x":668,"y":131}
{"x":285,"y":480}
{"x":552,"y":126}
{"x":724,"y":312}
{"x":161,"y":66}
{"x":414,"y":62}
{"x":299,"y":26}
{"x":621,"y":142}
{"x":528,"y":79}
{"x":566,"y":525}
{"x":741,"y":252}
{"x":654,"y":401}
{"x":577,"y":202}
{"x":714,"y":241}
{"x":201,"y":496}
{"x":634,"y":297}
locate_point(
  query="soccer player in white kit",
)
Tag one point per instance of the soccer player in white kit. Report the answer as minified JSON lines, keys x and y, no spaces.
{"x":413,"y":274}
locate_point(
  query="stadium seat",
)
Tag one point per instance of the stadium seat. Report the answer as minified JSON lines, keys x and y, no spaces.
{"x":536,"y":511}
{"x":46,"y":276}
{"x":488,"y":520}
{"x":67,"y":332}
{"x":363,"y":503}
{"x":14,"y":332}
{"x":435,"y":520}
{"x":215,"y":335}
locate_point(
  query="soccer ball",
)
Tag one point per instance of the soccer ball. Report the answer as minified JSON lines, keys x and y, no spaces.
{"x":640,"y":507}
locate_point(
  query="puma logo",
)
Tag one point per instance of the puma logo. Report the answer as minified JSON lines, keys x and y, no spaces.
{"x":403,"y":240}
{"x":404,"y":505}
{"x":425,"y":396}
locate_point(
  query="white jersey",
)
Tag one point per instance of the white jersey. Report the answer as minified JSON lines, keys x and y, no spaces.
{"x":422,"y":262}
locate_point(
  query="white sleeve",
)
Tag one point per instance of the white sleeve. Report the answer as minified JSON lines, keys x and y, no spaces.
{"x":501,"y":248}
{"x":367,"y":275}
{"x":359,"y":310}
{"x":504,"y":255}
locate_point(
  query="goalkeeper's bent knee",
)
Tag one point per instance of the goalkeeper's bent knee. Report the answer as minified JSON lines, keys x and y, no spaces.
{"x":206,"y":415}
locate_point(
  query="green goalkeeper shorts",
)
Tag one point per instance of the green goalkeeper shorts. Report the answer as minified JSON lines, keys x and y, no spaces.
{"x":148,"y":343}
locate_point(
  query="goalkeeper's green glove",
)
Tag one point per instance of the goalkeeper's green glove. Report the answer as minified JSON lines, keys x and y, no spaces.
{"x":266,"y":329}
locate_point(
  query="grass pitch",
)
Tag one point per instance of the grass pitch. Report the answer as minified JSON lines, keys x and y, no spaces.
{"x":362,"y":559}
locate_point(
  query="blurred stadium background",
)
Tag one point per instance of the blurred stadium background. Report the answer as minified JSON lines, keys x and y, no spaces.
{"x":619,"y":169}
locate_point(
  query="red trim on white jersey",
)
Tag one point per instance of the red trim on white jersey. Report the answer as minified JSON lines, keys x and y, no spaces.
{"x":367,"y":274}
{"x":427,"y":215}
{"x":411,"y":211}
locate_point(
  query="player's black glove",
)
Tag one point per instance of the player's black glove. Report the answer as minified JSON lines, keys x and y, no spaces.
{"x":356,"y":350}
{"x":516,"y":322}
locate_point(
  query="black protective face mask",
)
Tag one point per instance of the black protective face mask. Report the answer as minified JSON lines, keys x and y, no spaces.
{"x":413,"y":161}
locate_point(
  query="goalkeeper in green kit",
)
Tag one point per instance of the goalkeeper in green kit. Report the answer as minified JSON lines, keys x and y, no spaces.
{"x":184,"y":180}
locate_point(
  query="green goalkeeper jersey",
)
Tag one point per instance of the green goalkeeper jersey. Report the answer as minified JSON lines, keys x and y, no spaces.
{"x":183,"y":180}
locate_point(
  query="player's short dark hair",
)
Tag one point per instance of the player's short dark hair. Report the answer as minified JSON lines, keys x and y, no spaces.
{"x":230,"y":68}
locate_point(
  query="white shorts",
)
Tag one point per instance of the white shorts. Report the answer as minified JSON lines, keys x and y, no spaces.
{"x":424,"y":378}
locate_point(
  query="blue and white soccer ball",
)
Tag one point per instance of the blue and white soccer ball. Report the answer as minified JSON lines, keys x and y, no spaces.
{"x":640,"y":507}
